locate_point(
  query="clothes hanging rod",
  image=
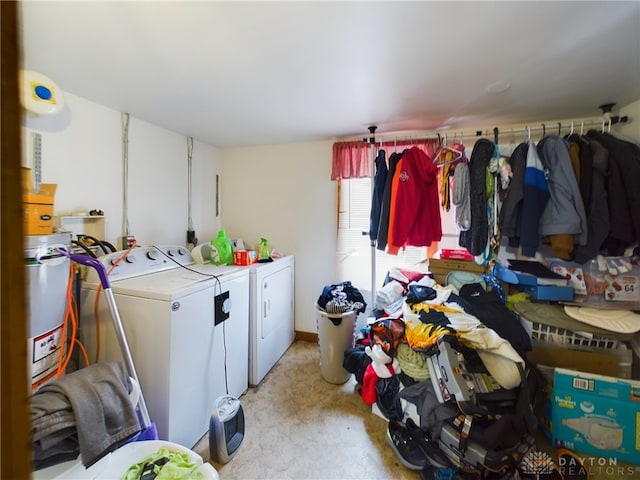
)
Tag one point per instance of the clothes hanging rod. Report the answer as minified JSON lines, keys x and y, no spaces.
{"x":579,"y":125}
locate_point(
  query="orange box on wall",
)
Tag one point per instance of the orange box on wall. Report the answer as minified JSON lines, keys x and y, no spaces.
{"x":37,"y":206}
{"x":38,"y":218}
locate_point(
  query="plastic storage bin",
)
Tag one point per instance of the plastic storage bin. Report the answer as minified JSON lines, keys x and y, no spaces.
{"x":335,"y":335}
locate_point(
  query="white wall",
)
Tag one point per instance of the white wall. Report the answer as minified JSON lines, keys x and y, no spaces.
{"x":82,"y":152}
{"x":284,"y":193}
{"x":631,"y":128}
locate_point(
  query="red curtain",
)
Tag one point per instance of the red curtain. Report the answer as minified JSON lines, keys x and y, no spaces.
{"x":353,"y":159}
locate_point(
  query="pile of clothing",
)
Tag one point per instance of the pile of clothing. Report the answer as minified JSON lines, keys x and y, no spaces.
{"x":413,"y":320}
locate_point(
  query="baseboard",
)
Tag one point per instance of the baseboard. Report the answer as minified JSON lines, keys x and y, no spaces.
{"x":307,"y":336}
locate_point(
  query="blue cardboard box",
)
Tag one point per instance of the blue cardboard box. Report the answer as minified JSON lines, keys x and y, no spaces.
{"x":538,"y":287}
{"x":596,"y":414}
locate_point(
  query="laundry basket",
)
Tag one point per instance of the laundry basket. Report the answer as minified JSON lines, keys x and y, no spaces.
{"x":335,"y":335}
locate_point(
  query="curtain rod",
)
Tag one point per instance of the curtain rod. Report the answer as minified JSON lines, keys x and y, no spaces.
{"x":557,"y":126}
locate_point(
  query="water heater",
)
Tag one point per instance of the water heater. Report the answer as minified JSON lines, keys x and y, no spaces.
{"x":47,"y":277}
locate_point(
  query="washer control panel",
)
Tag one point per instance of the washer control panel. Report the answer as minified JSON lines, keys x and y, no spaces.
{"x":142,"y":261}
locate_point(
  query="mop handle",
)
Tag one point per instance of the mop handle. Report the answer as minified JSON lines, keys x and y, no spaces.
{"x":92,"y":262}
{"x":117,"y":324}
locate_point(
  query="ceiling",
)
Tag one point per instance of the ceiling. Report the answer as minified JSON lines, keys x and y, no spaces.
{"x":257,"y":73}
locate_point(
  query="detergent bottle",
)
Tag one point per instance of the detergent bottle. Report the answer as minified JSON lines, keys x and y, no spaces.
{"x":221,"y":249}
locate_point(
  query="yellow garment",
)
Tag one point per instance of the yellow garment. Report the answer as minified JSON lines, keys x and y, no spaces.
{"x":178,"y":467}
{"x":517,"y":298}
{"x":425,"y":307}
{"x":562,"y":245}
{"x":445,"y":176}
{"x":424,"y":336}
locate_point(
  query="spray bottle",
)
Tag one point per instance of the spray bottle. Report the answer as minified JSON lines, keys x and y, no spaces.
{"x":263,"y":254}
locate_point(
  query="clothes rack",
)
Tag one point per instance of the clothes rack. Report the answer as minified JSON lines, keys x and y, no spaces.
{"x":515,"y":132}
{"x":575,"y":125}
{"x":373,"y":153}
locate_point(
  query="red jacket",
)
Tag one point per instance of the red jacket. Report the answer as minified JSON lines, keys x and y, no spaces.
{"x":416,"y":207}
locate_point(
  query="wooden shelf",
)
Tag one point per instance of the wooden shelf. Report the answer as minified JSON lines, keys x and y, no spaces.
{"x":92,"y":225}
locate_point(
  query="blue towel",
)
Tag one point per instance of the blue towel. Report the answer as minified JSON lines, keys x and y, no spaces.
{"x":87,"y":412}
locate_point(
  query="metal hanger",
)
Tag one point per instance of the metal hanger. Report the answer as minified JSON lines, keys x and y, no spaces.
{"x":440,"y":161}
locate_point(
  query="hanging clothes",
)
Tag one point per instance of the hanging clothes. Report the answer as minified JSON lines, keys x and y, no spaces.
{"x":448,"y":158}
{"x":417,"y":210}
{"x":623,"y":190}
{"x":564,"y":219}
{"x":584,"y":169}
{"x":445,"y":180}
{"x":461,"y":196}
{"x":379,"y":183}
{"x":475,"y":238}
{"x":512,"y":205}
{"x":536,"y":196}
{"x":393,"y":247}
{"x":598,"y":207}
{"x":383,"y":226}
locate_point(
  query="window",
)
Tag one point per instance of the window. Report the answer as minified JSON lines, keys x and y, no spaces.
{"x":351,"y":167}
{"x":354,"y":247}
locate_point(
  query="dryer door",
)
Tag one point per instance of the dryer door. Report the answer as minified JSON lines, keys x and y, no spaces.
{"x":275,"y":292}
{"x":272,"y":322}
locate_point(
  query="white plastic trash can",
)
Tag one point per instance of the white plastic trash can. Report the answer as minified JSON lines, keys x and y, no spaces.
{"x":335,"y":335}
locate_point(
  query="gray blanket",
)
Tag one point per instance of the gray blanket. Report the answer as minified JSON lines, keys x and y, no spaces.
{"x":87,"y":412}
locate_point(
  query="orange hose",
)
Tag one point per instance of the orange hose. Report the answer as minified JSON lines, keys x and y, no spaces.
{"x":67,"y":345}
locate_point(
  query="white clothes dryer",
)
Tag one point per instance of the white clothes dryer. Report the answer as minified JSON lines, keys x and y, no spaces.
{"x":187,"y":330}
{"x":272,"y":328}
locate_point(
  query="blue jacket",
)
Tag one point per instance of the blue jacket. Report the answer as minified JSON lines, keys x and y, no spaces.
{"x":536,"y":196}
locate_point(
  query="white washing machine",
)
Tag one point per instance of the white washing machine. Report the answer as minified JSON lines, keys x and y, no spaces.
{"x":187,"y":328}
{"x":272,"y":328}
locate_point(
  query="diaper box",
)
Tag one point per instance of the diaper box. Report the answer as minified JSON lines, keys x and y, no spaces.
{"x":596,"y":415}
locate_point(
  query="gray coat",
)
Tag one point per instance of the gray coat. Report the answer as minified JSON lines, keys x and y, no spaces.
{"x":564,"y":213}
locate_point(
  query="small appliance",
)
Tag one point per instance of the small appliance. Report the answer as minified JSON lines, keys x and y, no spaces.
{"x":226,"y":429}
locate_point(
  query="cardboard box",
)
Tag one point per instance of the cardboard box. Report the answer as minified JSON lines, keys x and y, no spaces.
{"x":596,"y":415}
{"x":548,"y":356}
{"x":37,"y":206}
{"x":614,"y":362}
{"x":440,"y":267}
{"x":244,"y":257}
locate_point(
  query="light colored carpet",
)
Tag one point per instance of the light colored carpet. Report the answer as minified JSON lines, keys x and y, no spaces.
{"x":299,"y":426}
